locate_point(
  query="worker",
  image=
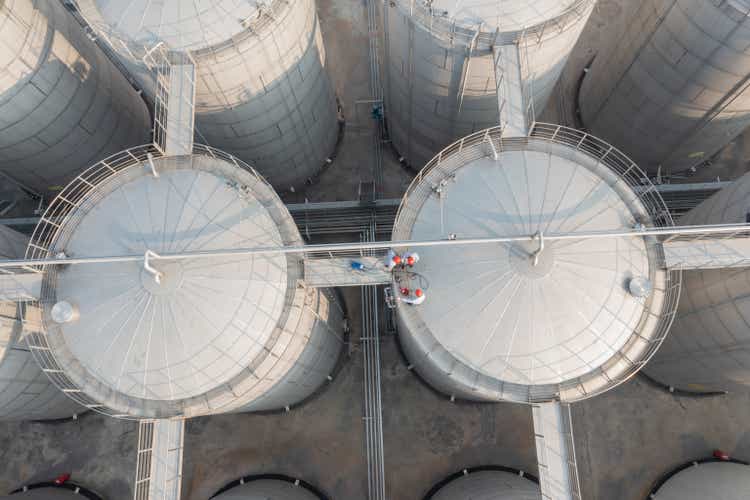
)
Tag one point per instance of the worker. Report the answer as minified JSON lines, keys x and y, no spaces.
{"x":392,"y":260}
{"x":357,"y":266}
{"x":418,"y":298}
{"x":404,"y":291}
{"x":410,"y":258}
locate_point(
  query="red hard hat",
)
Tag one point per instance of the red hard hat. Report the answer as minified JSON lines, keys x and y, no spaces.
{"x":410,"y":260}
{"x":397,"y":259}
{"x":418,"y":292}
{"x":405,"y":291}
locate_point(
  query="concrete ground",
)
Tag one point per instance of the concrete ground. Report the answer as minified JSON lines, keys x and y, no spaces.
{"x":99,"y":452}
{"x":625,"y":439}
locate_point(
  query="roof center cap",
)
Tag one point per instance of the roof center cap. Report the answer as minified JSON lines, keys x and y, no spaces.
{"x":171,"y":278}
{"x":522,"y":261}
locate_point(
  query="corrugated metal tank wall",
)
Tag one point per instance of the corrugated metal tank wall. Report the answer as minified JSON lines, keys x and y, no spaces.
{"x":262,"y":93}
{"x":426,"y":64}
{"x":63,"y":104}
{"x":674,"y":90}
{"x":25,"y":391}
{"x":708,"y":346}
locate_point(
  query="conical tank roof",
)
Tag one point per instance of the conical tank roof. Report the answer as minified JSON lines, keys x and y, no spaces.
{"x":504,"y":15}
{"x":181,"y":24}
{"x":497,"y":318}
{"x":214,"y":333}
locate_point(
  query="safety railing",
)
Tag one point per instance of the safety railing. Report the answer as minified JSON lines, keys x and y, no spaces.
{"x":437,"y":22}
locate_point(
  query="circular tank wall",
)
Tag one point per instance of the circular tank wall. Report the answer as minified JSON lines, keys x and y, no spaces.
{"x":703,"y":480}
{"x":63,"y":104}
{"x":673,"y":90}
{"x":495,"y":326}
{"x":25,"y":391}
{"x":216,"y":334}
{"x":487,"y":484}
{"x":262,"y":91}
{"x":440,"y":71}
{"x":708,"y":347}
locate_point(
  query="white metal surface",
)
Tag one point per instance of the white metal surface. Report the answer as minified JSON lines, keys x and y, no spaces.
{"x":262,"y":92}
{"x":506,"y":15}
{"x":335,"y":272}
{"x":441,"y":72}
{"x":566,"y":327}
{"x":720,"y":253}
{"x":174,"y":102}
{"x":715,"y":480}
{"x":63,"y":104}
{"x":555,"y":452}
{"x":673,"y":88}
{"x":159,"y":464}
{"x":510,"y":91}
{"x":182,"y":25}
{"x":20,"y":287}
{"x":489,"y":485}
{"x":708,"y":348}
{"x":224,"y":334}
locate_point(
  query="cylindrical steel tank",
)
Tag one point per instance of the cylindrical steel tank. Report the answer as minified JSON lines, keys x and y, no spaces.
{"x":214,"y":334}
{"x":440,"y":70}
{"x":487,"y":483}
{"x":262,"y":91}
{"x":269,"y":488}
{"x":704,"y":479}
{"x":673,"y":90}
{"x":708,"y":348}
{"x":25,"y":392}
{"x":63,"y":104}
{"x":49,"y":491}
{"x":495,"y":325}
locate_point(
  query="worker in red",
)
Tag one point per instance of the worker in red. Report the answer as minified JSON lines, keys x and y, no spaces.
{"x":417,"y":299}
{"x":392,"y":260}
{"x":410,"y":258}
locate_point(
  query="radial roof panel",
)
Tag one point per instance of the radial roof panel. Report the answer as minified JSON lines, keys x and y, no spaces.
{"x":507,"y":15}
{"x":181,"y":24}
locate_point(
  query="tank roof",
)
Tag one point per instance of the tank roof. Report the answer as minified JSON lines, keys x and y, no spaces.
{"x":506,"y":15}
{"x":713,"y":479}
{"x":489,"y":485}
{"x":267,"y":489}
{"x":182,"y":25}
{"x":211,"y":322}
{"x":494,"y":311}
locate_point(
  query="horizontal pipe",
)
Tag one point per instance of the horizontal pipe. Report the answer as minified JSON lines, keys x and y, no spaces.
{"x":382,"y":245}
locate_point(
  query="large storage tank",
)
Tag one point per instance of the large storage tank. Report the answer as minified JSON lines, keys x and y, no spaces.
{"x":262,"y":90}
{"x":701,"y":480}
{"x":495,"y":326}
{"x":50,"y":491}
{"x":216,"y":334}
{"x":673,"y":90}
{"x":441,"y":70}
{"x":487,"y":483}
{"x":25,"y":392}
{"x":63,"y":104}
{"x":270,"y":487}
{"x":708,"y":348}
